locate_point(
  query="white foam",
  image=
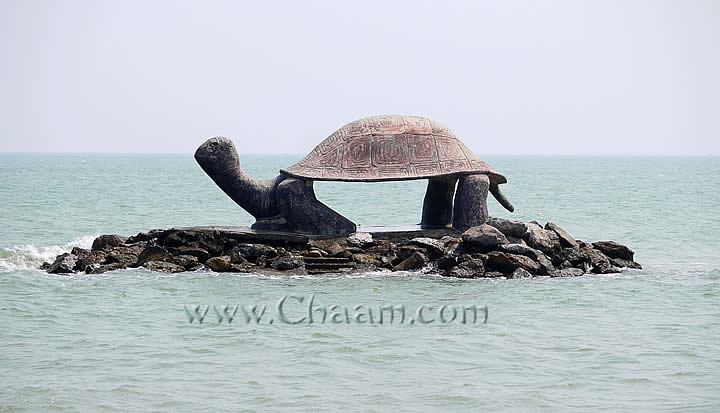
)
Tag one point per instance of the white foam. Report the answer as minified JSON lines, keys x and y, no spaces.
{"x":30,"y":257}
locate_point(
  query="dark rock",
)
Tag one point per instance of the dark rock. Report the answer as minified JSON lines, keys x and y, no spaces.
{"x":483,"y":238}
{"x":494,"y":274}
{"x":570,"y":255}
{"x":520,"y":273}
{"x":566,"y":241}
{"x":568,"y":272}
{"x":81,"y":254}
{"x":331,"y":246}
{"x":599,"y":262}
{"x":186,"y":261}
{"x":541,"y":239}
{"x":451,"y":245}
{"x":127,"y":256}
{"x":360,"y":239}
{"x":45,"y":265}
{"x":618,"y":262}
{"x":144,"y":236}
{"x":469,"y":268}
{"x":366,"y":259}
{"x":102,"y":268}
{"x":508,"y":227}
{"x":63,"y":264}
{"x":200,"y":253}
{"x":546,"y":266}
{"x":153,"y":253}
{"x":219,"y":264}
{"x":95,"y":257}
{"x":286,"y":263}
{"x":241,"y":267}
{"x":163,"y":266}
{"x":507,"y":263}
{"x":173,"y":239}
{"x":252,"y":252}
{"x":381,"y":247}
{"x":614,"y":250}
{"x":406,"y":251}
{"x":105,"y":241}
{"x":414,"y":262}
{"x":434,"y":247}
{"x":446,"y":262}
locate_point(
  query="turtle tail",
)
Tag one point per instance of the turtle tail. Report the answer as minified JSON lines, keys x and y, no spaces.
{"x":497,"y":193}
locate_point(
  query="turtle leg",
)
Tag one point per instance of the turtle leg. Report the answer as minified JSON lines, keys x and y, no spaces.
{"x":471,"y":202}
{"x":438,"y":204}
{"x":304,"y":213}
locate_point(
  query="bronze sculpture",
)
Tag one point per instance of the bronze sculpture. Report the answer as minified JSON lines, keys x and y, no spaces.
{"x":379,"y":148}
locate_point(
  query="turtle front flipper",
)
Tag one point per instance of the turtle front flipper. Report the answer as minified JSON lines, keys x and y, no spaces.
{"x":470,"y":208}
{"x":304,"y":213}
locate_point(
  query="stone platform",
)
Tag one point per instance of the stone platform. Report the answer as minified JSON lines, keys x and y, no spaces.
{"x":500,"y":248}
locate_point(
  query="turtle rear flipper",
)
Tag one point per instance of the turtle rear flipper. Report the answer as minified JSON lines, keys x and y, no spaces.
{"x":497,"y":193}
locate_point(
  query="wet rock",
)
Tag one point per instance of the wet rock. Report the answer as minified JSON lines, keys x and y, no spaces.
{"x":186,"y":261}
{"x":546,"y":266}
{"x":173,"y":239}
{"x":434,"y":247}
{"x":95,"y":257}
{"x":219,"y":264}
{"x":570,"y":255}
{"x":614,"y":250}
{"x":127,"y":256}
{"x":144,"y":236}
{"x":63,"y":264}
{"x":507,"y":263}
{"x":381,"y":247}
{"x":153,"y":253}
{"x":102,"y":268}
{"x":508,"y":227}
{"x":331,"y":246}
{"x":286,"y":263}
{"x":483,"y":238}
{"x":541,"y":239}
{"x":566,"y":241}
{"x":568,"y":272}
{"x":451,"y":245}
{"x":469,"y":268}
{"x":200,"y":253}
{"x":406,"y":251}
{"x":359,"y":239}
{"x":520,"y":273}
{"x":414,"y":262}
{"x":618,"y":262}
{"x":366,"y":259}
{"x":252,"y":252}
{"x":446,"y":262}
{"x":105,"y":241}
{"x":163,"y":266}
{"x":599,"y":262}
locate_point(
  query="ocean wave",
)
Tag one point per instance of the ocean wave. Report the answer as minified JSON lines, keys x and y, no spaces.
{"x":30,"y":257}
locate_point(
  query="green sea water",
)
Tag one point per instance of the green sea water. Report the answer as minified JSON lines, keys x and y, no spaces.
{"x":635,"y":341}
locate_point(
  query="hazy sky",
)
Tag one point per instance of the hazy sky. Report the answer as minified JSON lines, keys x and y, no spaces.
{"x":508,"y":77}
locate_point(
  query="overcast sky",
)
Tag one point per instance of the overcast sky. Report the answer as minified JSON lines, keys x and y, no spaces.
{"x":508,"y":77}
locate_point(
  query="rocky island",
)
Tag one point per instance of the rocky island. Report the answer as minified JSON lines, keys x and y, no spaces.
{"x":498,"y":248}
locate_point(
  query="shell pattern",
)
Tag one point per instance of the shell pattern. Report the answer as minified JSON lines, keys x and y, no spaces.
{"x":389,"y":148}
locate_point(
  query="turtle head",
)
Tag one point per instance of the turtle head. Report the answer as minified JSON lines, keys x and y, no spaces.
{"x":217,"y":155}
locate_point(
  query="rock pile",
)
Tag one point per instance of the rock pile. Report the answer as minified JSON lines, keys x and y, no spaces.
{"x":499,"y":248}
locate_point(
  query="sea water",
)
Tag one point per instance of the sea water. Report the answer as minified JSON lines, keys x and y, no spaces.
{"x":644,"y":340}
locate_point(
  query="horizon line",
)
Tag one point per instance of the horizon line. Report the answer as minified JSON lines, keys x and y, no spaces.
{"x":579,"y":155}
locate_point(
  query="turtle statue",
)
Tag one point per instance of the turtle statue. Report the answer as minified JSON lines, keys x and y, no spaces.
{"x":379,"y":148}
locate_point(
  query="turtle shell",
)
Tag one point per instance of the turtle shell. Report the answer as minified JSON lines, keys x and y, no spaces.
{"x":390,"y":148}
